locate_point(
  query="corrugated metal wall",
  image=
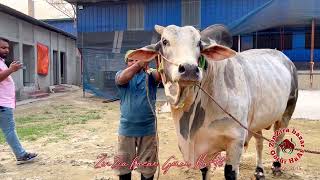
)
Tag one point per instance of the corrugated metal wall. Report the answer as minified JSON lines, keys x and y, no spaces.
{"x":106,"y":16}
{"x":114,"y":16}
{"x":190,"y":12}
{"x":64,"y":25}
{"x":102,"y":17}
{"x":226,"y":11}
{"x":163,"y":12}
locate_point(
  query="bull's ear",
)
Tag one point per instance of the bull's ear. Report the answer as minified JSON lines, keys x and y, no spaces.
{"x":217,"y":52}
{"x":145,"y":54}
{"x":159,"y":28}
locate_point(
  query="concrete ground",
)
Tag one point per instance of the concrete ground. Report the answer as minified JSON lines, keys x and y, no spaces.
{"x":308,"y":105}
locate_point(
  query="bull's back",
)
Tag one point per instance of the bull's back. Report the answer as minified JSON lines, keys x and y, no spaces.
{"x":269,"y":75}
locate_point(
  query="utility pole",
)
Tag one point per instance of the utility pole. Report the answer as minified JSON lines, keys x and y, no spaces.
{"x":31,"y":8}
{"x":311,"y":51}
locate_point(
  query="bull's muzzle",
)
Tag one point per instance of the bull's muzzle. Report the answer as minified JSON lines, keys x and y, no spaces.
{"x":189,"y":72}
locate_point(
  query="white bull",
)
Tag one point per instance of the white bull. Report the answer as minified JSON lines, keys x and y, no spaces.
{"x":259,"y":87}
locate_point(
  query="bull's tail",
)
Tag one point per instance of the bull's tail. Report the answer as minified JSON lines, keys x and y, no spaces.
{"x":291,"y":104}
{"x":293,"y":97}
{"x":292,"y":101}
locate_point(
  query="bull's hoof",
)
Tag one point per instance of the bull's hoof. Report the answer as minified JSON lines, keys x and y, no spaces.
{"x":276,"y":169}
{"x":259,"y":174}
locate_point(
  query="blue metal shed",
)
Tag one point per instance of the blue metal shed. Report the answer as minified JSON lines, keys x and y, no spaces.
{"x":67,"y":25}
{"x":108,"y":28}
{"x":102,"y":17}
{"x":226,"y":11}
{"x":163,"y":12}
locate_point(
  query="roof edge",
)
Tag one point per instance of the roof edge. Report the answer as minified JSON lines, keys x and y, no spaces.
{"x":57,"y":19}
{"x":90,"y":1}
{"x":20,"y":15}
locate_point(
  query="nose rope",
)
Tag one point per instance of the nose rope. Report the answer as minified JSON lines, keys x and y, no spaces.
{"x":156,"y":123}
{"x":168,"y":60}
{"x":202,"y":62}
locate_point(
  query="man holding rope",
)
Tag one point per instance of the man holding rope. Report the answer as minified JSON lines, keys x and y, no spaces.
{"x":137,"y":140}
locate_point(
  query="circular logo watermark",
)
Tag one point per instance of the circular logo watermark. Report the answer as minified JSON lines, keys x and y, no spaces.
{"x":291,"y":147}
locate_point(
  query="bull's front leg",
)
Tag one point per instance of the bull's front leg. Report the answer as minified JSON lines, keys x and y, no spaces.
{"x":205,"y":173}
{"x":234,"y":152}
{"x":259,"y":174}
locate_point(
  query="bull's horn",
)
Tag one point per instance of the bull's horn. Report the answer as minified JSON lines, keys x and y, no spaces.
{"x":159,"y":29}
{"x":219,"y":33}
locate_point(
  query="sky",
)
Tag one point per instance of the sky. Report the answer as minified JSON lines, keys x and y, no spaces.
{"x":42,"y":9}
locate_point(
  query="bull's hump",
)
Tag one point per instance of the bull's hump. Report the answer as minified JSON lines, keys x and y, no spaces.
{"x":261,"y":52}
{"x":229,"y":75}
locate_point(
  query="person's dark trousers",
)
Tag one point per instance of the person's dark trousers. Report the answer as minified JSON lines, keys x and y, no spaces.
{"x":125,"y":177}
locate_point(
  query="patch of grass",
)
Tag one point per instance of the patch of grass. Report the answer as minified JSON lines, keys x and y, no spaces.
{"x":47,"y":112}
{"x":2,"y":140}
{"x":88,"y":116}
{"x":33,"y":118}
{"x":58,"y":137}
{"x":61,"y":135}
{"x":33,"y":132}
{"x":50,"y":122}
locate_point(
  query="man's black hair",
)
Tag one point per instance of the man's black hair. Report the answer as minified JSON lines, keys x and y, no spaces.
{"x":4,"y":39}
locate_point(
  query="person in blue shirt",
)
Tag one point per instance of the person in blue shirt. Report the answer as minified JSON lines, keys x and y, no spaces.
{"x":137,"y":143}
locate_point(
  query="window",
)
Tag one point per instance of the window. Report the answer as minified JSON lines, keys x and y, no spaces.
{"x":190,"y":13}
{"x":273,"y":40}
{"x":246,"y":42}
{"x":316,"y":38}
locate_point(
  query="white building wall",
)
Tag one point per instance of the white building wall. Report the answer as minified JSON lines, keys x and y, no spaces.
{"x":71,"y":61}
{"x":42,"y":36}
{"x":27,"y":33}
{"x":9,"y":26}
{"x":21,"y":32}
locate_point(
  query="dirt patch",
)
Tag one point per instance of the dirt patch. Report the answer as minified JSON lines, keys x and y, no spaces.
{"x":71,"y":152}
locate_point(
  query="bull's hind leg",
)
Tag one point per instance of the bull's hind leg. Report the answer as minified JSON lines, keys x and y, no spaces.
{"x":259,"y":174}
{"x":276,"y":166}
{"x":284,"y":122}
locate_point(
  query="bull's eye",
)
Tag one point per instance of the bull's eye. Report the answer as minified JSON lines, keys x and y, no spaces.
{"x":199,"y":44}
{"x":165,"y":42}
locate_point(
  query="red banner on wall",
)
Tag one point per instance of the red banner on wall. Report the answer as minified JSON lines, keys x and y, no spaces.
{"x":43,"y":59}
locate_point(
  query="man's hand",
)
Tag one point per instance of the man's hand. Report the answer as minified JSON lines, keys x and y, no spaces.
{"x":15,"y":66}
{"x":141,"y":64}
{"x":127,"y":74}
